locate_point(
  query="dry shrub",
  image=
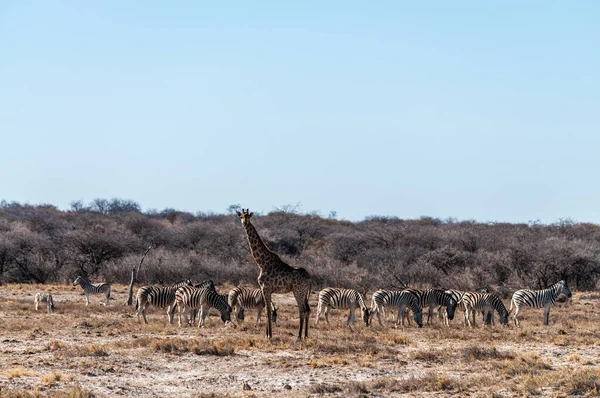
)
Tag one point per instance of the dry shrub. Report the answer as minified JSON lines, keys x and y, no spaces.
{"x":524,"y":365}
{"x":583,"y":382}
{"x":430,"y":355}
{"x":196,"y":346}
{"x":20,"y":393}
{"x":51,"y":379}
{"x":431,"y":382}
{"x":324,"y":388}
{"x":478,"y":353}
{"x":18,"y":372}
{"x":56,"y":345}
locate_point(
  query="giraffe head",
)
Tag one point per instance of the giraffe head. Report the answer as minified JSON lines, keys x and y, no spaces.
{"x":244,"y":216}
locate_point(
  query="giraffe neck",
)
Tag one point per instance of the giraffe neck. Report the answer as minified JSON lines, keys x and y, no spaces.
{"x":262,"y":255}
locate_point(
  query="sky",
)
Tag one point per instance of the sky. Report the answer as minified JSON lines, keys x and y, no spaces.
{"x":486,"y":111}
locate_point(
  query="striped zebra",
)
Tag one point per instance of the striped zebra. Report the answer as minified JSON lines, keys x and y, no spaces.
{"x":189,"y":298}
{"x":342,"y":299}
{"x":241,"y":298}
{"x":194,"y":313}
{"x":457,"y":295}
{"x":44,"y":297}
{"x":487,"y":303}
{"x":158,"y":296}
{"x":432,"y":298}
{"x":89,"y":288}
{"x":403,"y":300}
{"x":538,"y":299}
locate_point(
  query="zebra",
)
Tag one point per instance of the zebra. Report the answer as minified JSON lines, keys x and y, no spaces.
{"x":342,"y":299}
{"x":158,"y":296}
{"x":44,"y":297}
{"x":89,"y":288}
{"x":457,"y":295}
{"x":241,"y":298}
{"x":189,"y":298}
{"x":433,"y":298}
{"x":402,"y":299}
{"x":538,"y":299}
{"x":485,"y":302}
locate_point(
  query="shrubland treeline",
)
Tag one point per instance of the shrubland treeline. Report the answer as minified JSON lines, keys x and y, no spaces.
{"x":105,"y":239}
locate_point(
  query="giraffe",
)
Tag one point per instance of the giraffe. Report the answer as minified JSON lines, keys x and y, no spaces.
{"x":276,"y":276}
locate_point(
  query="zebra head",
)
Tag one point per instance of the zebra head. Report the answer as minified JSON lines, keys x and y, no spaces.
{"x":241,"y":314}
{"x":366,"y":315}
{"x":78,"y":281}
{"x":503,"y":316}
{"x":418,"y":317}
{"x":451,"y":306}
{"x":564,"y":289}
{"x":226,"y":315}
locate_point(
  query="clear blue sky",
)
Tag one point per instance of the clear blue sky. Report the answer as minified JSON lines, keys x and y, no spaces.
{"x":486,"y":110}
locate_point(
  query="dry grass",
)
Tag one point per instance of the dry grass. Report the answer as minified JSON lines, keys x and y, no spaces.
{"x":97,"y":346}
{"x":18,"y":372}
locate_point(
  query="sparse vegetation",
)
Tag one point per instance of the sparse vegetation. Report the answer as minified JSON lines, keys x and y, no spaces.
{"x":97,"y":346}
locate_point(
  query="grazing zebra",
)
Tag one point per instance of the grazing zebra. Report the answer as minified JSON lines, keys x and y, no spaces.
{"x":538,"y":299}
{"x":189,"y":298}
{"x":433,"y":298}
{"x":158,"y":296}
{"x":342,"y":299}
{"x":401,"y":299}
{"x":89,"y":288}
{"x":44,"y":297}
{"x":485,"y":302}
{"x":457,"y":295}
{"x":241,"y":298}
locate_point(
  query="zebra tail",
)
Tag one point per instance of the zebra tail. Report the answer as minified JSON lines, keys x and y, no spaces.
{"x":137,"y":303}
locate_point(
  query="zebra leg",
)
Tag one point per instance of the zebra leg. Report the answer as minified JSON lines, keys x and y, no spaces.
{"x":378,"y":315}
{"x":546,"y":315}
{"x":319,"y":310}
{"x":87,"y":298}
{"x":516,"y":315}
{"x":430,"y":316}
{"x":258,"y":316}
{"x":350,"y":316}
{"x":179,"y":310}
{"x":201,"y":315}
{"x":37,"y":304}
{"x":467,"y":316}
{"x":406,"y":313}
{"x":326,"y":313}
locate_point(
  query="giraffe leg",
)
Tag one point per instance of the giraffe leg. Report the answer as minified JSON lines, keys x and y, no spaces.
{"x":303,"y":310}
{"x":267,"y":295}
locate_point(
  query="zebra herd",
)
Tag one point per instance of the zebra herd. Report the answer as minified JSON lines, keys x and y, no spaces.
{"x":188,"y":298}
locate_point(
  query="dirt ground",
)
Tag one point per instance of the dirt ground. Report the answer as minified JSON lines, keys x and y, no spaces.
{"x":98,"y":350}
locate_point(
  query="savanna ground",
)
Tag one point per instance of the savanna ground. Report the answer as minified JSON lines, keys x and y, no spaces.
{"x":81,"y":351}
